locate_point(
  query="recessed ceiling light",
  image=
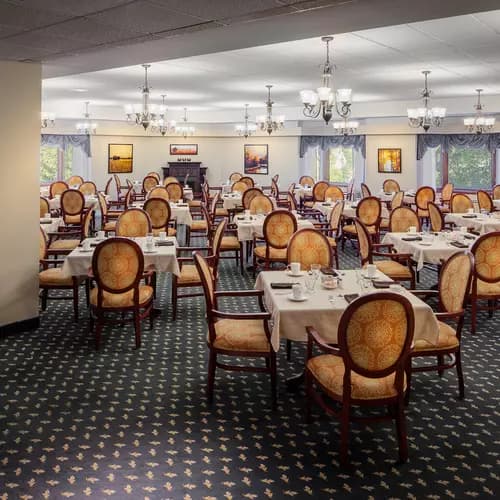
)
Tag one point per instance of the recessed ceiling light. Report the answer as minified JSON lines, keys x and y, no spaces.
{"x":79,"y":90}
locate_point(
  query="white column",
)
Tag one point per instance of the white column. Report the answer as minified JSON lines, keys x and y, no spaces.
{"x":20,"y":89}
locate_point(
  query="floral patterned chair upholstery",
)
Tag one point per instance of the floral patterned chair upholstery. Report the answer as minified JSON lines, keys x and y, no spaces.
{"x":453,"y":291}
{"x":88,"y":188}
{"x":148,"y":183}
{"x":57,"y":188}
{"x":235,"y":176}
{"x":309,"y":246}
{"x":461,"y":203}
{"x":436,"y":217}
{"x":175,"y":191}
{"x":496,"y":192}
{"x":160,"y":214}
{"x":133,"y":222}
{"x":249,"y":195}
{"x":64,"y":242}
{"x":319,"y":190}
{"x":239,"y":187}
{"x":423,"y":196}
{"x":199,"y":227}
{"x":367,"y":368}
{"x":118,"y":268}
{"x":306,"y":180}
{"x":158,"y":192}
{"x":486,"y":276}
{"x":365,"y":190}
{"x":402,"y":219}
{"x":72,"y":207}
{"x":170,"y":179}
{"x":44,"y":207}
{"x":334,"y":193}
{"x":248,"y":181}
{"x":261,"y":204}
{"x":484,"y":201}
{"x":368,"y":211}
{"x":75,"y":180}
{"x":240,"y":335}
{"x":154,"y":174}
{"x":390,"y":186}
{"x":446,"y":194}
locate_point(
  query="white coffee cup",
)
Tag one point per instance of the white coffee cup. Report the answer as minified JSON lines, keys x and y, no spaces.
{"x":101,"y":235}
{"x":371,"y":270}
{"x":162,"y":235}
{"x":412,"y":229}
{"x":470,"y":210}
{"x":297,"y":291}
{"x":294,"y":267}
{"x":328,"y":200}
{"x":47,"y":215}
{"x":86,"y":245}
{"x":463,"y":229}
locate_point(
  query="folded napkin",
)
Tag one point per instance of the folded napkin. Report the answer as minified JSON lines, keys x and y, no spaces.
{"x":326,"y":204}
{"x":388,"y":194}
{"x":168,"y":243}
{"x":282,"y":286}
{"x":182,"y":205}
{"x":469,"y":236}
{"x":45,"y":222}
{"x":458,"y":244}
{"x":412,"y":238}
{"x":92,"y":244}
{"x":349,"y":297}
{"x":469,"y":216}
{"x":329,"y":271}
{"x":382,"y":283}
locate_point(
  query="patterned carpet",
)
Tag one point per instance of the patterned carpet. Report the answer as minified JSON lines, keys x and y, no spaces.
{"x":128,"y":423}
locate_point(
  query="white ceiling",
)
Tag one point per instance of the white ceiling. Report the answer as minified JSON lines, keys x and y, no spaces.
{"x":381,"y":65}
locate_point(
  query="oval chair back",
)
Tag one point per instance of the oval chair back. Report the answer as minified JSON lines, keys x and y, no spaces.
{"x":72,"y":206}
{"x":148,"y":183}
{"x":423,"y":196}
{"x":436,"y":217}
{"x":292,"y":201}
{"x":158,"y":192}
{"x":275,"y":178}
{"x":235,"y":176}
{"x":336,"y":215}
{"x":87,"y":219}
{"x":369,"y":210}
{"x":364,"y":242}
{"x":390,"y":186}
{"x":175,"y":191}
{"x":278,"y":228}
{"x":454,"y":282}
{"x":309,"y":246}
{"x":57,"y":187}
{"x":118,"y":186}
{"x":129,"y":195}
{"x":248,"y":181}
{"x":248,"y":196}
{"x":261,"y":204}
{"x":319,"y":190}
{"x":306,"y":180}
{"x":170,"y":179}
{"x":159,"y":213}
{"x":239,"y":187}
{"x":486,"y":251}
{"x":75,"y":180}
{"x":154,"y":174}
{"x":107,"y":188}
{"x":44,"y":207}
{"x":365,"y":190}
{"x":402,"y":218}
{"x":42,"y":245}
{"x":88,"y":188}
{"x":496,"y":192}
{"x":446,"y":193}
{"x":103,"y":206}
{"x":484,"y":201}
{"x":207,"y":279}
{"x":397,"y":200}
{"x":334,"y":193}
{"x":133,"y":223}
{"x":460,"y":203}
{"x":216,"y":243}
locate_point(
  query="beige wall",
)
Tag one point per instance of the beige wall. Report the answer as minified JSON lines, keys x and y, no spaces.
{"x":20,"y":88}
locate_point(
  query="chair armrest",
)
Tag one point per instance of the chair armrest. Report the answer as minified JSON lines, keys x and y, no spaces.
{"x":448,"y":315}
{"x":424,"y":292}
{"x":382,"y":245}
{"x":192,"y":249}
{"x":240,"y":293}
{"x":313,"y":337}
{"x":227,"y":315}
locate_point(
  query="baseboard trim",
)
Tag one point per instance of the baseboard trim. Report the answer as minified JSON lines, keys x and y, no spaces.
{"x":20,"y":326}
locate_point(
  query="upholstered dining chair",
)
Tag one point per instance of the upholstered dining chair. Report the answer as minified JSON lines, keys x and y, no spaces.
{"x":461,"y":203}
{"x":334,"y":193}
{"x":365,"y":190}
{"x":332,"y":229}
{"x":423,"y":196}
{"x":309,"y":246}
{"x":108,"y":217}
{"x":368,"y":211}
{"x":390,"y":186}
{"x":239,"y":186}
{"x":397,"y":199}
{"x":319,"y":190}
{"x":486,"y":275}
{"x":235,"y":176}
{"x":64,"y":242}
{"x":402,"y":218}
{"x":88,"y":188}
{"x":217,"y":209}
{"x":306,"y":180}
{"x":446,"y":194}
{"x":366,"y":368}
{"x":496,"y":192}
{"x":175,"y":191}
{"x":44,"y":206}
{"x":133,"y":223}
{"x":240,"y":335}
{"x":278,"y":228}
{"x":248,"y":181}
{"x":397,"y":266}
{"x":160,"y":214}
{"x":199,"y":227}
{"x":261,"y":204}
{"x":51,"y":277}
{"x":485,"y":201}
{"x":154,"y":174}
{"x":57,"y":188}
{"x":108,"y":186}
{"x":72,"y":207}
{"x":148,"y":183}
{"x":436,"y":217}
{"x":75,"y":180}
{"x":119,"y":187}
{"x":249,"y":195}
{"x":117,"y":269}
{"x":453,"y":290}
{"x":278,"y":195}
{"x":189,"y":277}
{"x":158,"y":192}
{"x":170,"y":179}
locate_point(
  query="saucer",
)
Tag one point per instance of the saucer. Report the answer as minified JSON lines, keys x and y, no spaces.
{"x":300,"y":299}
{"x":150,"y":251}
{"x":295,"y":275}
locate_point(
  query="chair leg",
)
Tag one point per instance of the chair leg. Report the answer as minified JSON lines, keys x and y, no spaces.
{"x":211,"y":376}
{"x":272,"y":367}
{"x":174,"y":300}
{"x":460,"y":375}
{"x":45,"y":296}
{"x":491,"y":305}
{"x":137,"y":328}
{"x":288,"y":350}
{"x":344,"y":434}
{"x":440,"y":361}
{"x":87,"y":292}
{"x":473,"y":316}
{"x":241,"y":257}
{"x":309,"y":397}
{"x":401,"y":430}
{"x":98,"y":331}
{"x":408,"y":381}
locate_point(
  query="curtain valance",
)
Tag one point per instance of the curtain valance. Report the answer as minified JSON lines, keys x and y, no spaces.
{"x":332,"y":141}
{"x":473,"y":141}
{"x":62,"y":141}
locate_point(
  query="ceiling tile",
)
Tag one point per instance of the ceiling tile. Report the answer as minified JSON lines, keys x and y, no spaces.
{"x":71,"y":8}
{"x":21,"y":18}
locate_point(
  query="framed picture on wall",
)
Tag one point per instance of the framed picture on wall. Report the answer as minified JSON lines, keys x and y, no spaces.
{"x":120,"y":158}
{"x":256,"y":159}
{"x":389,"y":161}
{"x":184,"y":149}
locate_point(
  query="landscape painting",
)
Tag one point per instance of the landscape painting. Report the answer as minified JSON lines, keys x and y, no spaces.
{"x":184,"y":149}
{"x":120,"y":158}
{"x":389,"y":161}
{"x":256,"y":159}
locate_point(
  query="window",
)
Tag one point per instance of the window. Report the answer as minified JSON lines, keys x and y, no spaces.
{"x":340,"y":165}
{"x":470,"y":168}
{"x":55,"y":164}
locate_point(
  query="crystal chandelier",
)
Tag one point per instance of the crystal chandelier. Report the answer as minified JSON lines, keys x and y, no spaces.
{"x":47,"y":119}
{"x":161,"y":125}
{"x":479,"y":123}
{"x":86,"y":127}
{"x":246,"y":129}
{"x":267,"y":122}
{"x":145,"y":113}
{"x":426,"y":117}
{"x":324,"y":99}
{"x":185,"y":129}
{"x":345,"y":127}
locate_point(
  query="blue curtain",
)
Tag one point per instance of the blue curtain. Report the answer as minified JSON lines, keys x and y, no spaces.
{"x":79,"y":141}
{"x":473,"y":141}
{"x":332,"y":141}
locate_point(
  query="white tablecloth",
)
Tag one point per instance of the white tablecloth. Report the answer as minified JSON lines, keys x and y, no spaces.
{"x":77,"y":263}
{"x":409,"y":198}
{"x":52,"y":226}
{"x":247,"y":229}
{"x":349,"y":211}
{"x":481,"y":223}
{"x":421,"y":253}
{"x":289,"y":319}
{"x":496,"y":203}
{"x":302,"y":192}
{"x":181,"y":214}
{"x":90,"y":201}
{"x":231,"y":201}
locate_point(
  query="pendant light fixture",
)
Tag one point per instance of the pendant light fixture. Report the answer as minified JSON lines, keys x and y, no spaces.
{"x":86,"y":127}
{"x":185,"y":129}
{"x":479,"y":123}
{"x":266,"y":122}
{"x":246,"y":128}
{"x":161,"y":125}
